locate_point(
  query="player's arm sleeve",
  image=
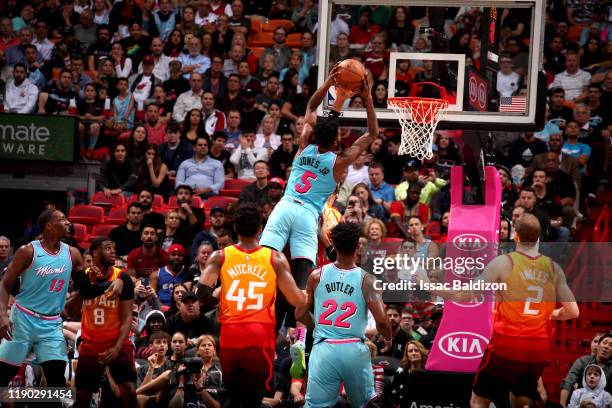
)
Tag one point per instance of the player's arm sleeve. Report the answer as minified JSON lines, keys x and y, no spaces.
{"x":128,"y":287}
{"x":86,"y":288}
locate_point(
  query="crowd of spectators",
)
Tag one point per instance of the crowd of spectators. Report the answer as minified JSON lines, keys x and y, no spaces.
{"x":173,"y":100}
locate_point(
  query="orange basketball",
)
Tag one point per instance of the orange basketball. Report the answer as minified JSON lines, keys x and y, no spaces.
{"x":351,"y":74}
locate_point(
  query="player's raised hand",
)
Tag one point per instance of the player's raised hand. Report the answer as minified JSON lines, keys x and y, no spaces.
{"x":331,"y":78}
{"x":366,"y":88}
{"x":6,"y":328}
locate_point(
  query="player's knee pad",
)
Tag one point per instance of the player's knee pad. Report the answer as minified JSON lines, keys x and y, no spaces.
{"x":300,"y":269}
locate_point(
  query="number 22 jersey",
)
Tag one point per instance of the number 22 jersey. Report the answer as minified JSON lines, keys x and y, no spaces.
{"x":312,"y":178}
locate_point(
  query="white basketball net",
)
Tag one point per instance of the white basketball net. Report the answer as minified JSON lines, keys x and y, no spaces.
{"x":419,"y":118}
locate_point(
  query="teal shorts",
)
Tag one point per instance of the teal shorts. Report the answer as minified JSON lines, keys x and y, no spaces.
{"x":332,"y":364}
{"x":44,"y":336}
{"x":294,"y":223}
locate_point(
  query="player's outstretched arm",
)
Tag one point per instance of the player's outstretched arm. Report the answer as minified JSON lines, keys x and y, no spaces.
{"x":208,"y":279}
{"x":84,"y":285}
{"x":569,"y":307}
{"x":125,"y":311}
{"x":303,"y":312}
{"x":294,"y":295}
{"x":21,"y":260}
{"x":375,"y":303}
{"x":361,"y":144}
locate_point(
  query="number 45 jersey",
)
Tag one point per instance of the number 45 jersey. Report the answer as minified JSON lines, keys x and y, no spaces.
{"x":312,"y":178}
{"x":248,"y":286}
{"x":340,"y":310}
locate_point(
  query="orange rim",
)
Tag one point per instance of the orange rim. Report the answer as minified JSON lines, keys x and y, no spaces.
{"x":408,"y":101}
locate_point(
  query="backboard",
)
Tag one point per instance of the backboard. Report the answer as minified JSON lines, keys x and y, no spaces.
{"x":484,"y":57}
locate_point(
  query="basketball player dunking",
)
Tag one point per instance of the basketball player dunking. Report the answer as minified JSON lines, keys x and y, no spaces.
{"x":316,"y":171}
{"x":46,"y":267}
{"x":249,"y":276}
{"x":341,"y":294}
{"x":518,"y":350}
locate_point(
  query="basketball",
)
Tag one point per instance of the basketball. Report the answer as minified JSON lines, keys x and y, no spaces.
{"x":351,"y":75}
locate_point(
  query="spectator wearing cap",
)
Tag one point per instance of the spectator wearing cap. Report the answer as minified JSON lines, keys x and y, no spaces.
{"x":165,"y":278}
{"x":251,"y":117}
{"x":21,"y":95}
{"x":160,"y":60}
{"x":282,"y":158}
{"x":203,"y":173}
{"x":247,"y":155}
{"x":276,"y":188}
{"x":147,"y":258}
{"x":278,"y":50}
{"x":189,"y":320}
{"x":217,"y":222}
{"x":258,"y":190}
{"x":401,"y":211}
{"x":144,"y":84}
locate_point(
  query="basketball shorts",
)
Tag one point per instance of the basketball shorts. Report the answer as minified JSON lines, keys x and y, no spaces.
{"x":247,"y":352}
{"x":497,"y":376}
{"x":33,"y":332}
{"x":89,"y":371}
{"x":292,"y":222}
{"x":333,"y":362}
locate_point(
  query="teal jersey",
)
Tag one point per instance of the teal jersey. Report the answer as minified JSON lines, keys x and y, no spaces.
{"x":340,"y":310}
{"x":312,"y":178}
{"x":45,"y":282}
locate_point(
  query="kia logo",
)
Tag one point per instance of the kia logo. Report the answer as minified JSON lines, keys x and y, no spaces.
{"x":463,"y":345}
{"x":469,"y":242}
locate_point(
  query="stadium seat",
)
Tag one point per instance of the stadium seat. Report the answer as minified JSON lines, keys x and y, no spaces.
{"x":117,"y":216}
{"x":272,"y":25}
{"x":102,"y":230}
{"x":89,"y":215}
{"x":257,"y":52}
{"x":574,"y":32}
{"x":80,"y":232}
{"x":99,"y":199}
{"x":229,"y":193}
{"x":390,"y":240}
{"x":256,"y":26}
{"x":262,"y":40}
{"x":236,"y":184}
{"x":294,"y":40}
{"x":158,"y":201}
{"x":433,"y":230}
{"x":219,"y":201}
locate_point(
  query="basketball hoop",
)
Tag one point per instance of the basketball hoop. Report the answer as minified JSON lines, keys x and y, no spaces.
{"x":419,"y":118}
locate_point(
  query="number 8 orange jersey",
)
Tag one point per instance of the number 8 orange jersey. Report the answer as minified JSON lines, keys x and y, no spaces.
{"x":248,"y":286}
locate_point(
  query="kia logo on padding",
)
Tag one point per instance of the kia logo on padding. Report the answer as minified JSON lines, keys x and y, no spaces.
{"x":469,"y":242}
{"x":463,"y":345}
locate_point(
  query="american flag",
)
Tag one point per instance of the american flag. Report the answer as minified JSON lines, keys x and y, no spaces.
{"x":512,"y":104}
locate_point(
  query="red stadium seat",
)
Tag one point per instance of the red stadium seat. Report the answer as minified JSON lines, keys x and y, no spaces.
{"x":236,"y":184}
{"x":158,"y":201}
{"x":89,"y":215}
{"x":256,"y":26}
{"x":433,"y":230}
{"x":99,"y":199}
{"x":294,"y":40}
{"x":391,"y":240}
{"x":102,"y":230}
{"x":262,"y":40}
{"x":272,"y":25}
{"x":219,"y":201}
{"x":80,"y":232}
{"x":117,"y":216}
{"x":229,"y":193}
